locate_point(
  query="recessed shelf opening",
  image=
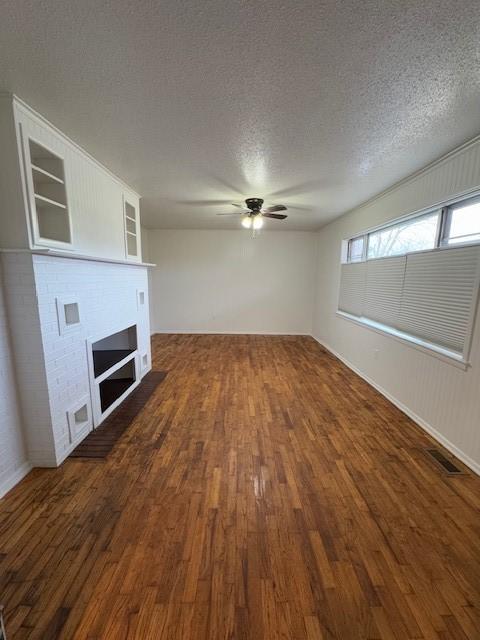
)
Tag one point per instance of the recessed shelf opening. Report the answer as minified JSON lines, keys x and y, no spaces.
{"x":131,"y":230}
{"x":79,"y":419}
{"x":52,"y":225}
{"x":49,"y":194}
{"x":113,"y":349}
{"x":116,"y":384}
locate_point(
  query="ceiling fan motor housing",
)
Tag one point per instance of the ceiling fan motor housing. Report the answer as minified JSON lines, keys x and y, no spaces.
{"x":254,"y":204}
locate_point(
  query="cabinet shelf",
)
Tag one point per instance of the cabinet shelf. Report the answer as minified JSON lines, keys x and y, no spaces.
{"x":108,"y":361}
{"x":50,"y":211}
{"x":131,"y":231}
{"x":113,"y":351}
{"x":116,"y":386}
{"x":45,"y":177}
{"x":44,"y":202}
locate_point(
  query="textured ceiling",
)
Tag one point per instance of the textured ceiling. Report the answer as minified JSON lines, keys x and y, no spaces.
{"x":318,"y":104}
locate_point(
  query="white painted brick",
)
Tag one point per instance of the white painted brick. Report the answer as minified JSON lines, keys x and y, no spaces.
{"x":52,"y":369}
{"x":107,"y":302}
{"x":13,"y":452}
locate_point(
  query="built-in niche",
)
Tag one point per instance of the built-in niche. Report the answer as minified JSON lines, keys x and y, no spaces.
{"x":79,"y":419}
{"x":113,"y":349}
{"x":49,"y":195}
{"x":132,"y":245}
{"x":68,"y":314}
{"x":140,"y":298}
{"x":117,"y":383}
{"x":115,"y":370}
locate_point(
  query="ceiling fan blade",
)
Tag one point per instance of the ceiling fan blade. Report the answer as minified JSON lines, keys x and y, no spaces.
{"x":236,"y":204}
{"x":204,"y":203}
{"x":232,"y":213}
{"x":275,"y":207}
{"x":299,"y":207}
{"x":276,"y":216}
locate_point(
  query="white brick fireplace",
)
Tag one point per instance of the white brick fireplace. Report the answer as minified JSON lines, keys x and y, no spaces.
{"x":72,"y":275}
{"x":58,"y":307}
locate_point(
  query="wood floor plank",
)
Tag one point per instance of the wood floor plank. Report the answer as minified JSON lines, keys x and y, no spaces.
{"x":265,"y":491}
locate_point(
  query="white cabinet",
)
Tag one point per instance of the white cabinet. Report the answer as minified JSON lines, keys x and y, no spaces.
{"x":56,"y":196}
{"x":47,"y":196}
{"x":133,"y":249}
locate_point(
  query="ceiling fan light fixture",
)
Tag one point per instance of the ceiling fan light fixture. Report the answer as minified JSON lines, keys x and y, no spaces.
{"x":253,"y":217}
{"x":258,"y":222}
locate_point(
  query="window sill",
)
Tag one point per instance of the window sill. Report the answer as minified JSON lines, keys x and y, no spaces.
{"x":445,"y":355}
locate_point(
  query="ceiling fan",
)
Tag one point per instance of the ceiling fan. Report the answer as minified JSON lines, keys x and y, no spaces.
{"x":253,"y":215}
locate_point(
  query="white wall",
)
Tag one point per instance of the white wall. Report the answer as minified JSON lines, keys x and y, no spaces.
{"x":227,"y":281}
{"x":13,"y":454}
{"x":441,"y":397}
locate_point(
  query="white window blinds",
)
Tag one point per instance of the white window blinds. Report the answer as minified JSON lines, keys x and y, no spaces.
{"x":429,"y":296}
{"x":352,"y":288}
{"x":384,"y":289}
{"x":439,"y":294}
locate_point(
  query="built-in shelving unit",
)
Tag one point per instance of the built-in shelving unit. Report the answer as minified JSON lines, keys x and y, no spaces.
{"x":68,"y":234}
{"x":105,"y":360}
{"x":55,"y":195}
{"x":114,"y":363}
{"x":49,"y":196}
{"x":117,"y":384}
{"x":131,"y":231}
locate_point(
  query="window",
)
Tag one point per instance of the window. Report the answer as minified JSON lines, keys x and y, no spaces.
{"x":462,"y":223}
{"x":396,"y":280}
{"x":355,"y":249}
{"x":459,"y":224}
{"x":416,"y":234}
{"x":427,"y":298}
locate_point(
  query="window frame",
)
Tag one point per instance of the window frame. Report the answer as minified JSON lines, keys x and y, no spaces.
{"x":400,"y":222}
{"x":447,"y":222}
{"x":364,"y":248}
{"x":445,"y":212}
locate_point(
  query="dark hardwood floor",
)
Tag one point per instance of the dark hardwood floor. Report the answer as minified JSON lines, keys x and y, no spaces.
{"x":264,"y":492}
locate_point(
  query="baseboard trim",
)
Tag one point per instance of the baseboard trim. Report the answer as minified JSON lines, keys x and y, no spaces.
{"x":461,"y":455}
{"x":15,"y":478}
{"x":232,"y":333}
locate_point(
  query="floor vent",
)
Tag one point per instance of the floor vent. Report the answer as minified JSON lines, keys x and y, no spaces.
{"x":446,"y":464}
